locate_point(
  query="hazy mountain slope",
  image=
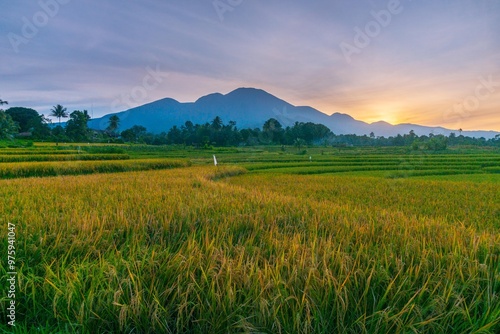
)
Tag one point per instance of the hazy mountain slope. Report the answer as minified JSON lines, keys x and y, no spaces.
{"x":250,"y":108}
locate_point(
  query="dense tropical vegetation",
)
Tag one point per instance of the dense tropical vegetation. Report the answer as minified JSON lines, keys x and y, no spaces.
{"x":28,"y":123}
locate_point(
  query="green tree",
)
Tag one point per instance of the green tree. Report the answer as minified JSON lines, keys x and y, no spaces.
{"x":217,"y":123}
{"x":134,"y":133}
{"x":59,"y":111}
{"x":8,"y":128}
{"x":273,"y":131}
{"x":188,"y":133}
{"x":175,"y":135}
{"x":437,"y":143}
{"x":77,"y":129}
{"x":309,"y":132}
{"x":29,"y":120}
{"x":113,"y":123}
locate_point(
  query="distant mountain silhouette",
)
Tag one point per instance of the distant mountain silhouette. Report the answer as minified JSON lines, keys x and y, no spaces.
{"x":250,"y":108}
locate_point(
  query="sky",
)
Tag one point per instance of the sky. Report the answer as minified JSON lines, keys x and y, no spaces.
{"x":428,"y":62}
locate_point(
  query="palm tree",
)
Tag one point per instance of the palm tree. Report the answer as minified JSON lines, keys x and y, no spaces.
{"x":217,"y":123}
{"x":113,"y":123}
{"x":3,"y":102}
{"x":59,"y":111}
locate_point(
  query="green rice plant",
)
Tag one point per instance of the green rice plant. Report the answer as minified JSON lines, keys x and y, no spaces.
{"x":492,"y":169}
{"x":62,"y":157}
{"x":43,"y":169}
{"x":35,"y":151}
{"x":411,"y":173}
{"x":215,"y":249}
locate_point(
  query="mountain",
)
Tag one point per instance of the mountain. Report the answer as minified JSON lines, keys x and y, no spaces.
{"x":250,"y":108}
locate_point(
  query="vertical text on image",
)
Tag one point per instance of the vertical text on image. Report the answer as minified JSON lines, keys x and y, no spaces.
{"x":11,"y":274}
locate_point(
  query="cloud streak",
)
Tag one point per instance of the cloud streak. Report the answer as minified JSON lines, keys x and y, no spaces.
{"x":429,"y":57}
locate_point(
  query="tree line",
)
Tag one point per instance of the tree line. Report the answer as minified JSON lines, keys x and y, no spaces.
{"x":26,"y":122}
{"x":20,"y":122}
{"x":216,"y":133}
{"x":300,"y":134}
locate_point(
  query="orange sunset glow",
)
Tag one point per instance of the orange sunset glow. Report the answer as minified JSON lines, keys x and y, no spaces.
{"x":430,"y":63}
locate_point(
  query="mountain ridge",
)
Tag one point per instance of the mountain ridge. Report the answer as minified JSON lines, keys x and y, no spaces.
{"x":250,"y":108}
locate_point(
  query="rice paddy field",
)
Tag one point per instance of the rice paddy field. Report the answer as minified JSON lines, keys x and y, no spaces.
{"x":135,"y":239}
